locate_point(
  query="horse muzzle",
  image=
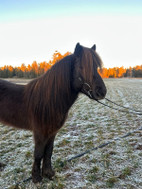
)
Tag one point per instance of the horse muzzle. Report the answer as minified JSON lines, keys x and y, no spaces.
{"x":99,"y":93}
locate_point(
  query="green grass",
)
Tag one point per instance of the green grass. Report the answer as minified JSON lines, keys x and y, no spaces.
{"x":111,"y":181}
{"x":125,"y":172}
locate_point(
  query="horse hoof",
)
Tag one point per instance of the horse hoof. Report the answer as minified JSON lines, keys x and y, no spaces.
{"x":48,"y":174}
{"x":36,"y":178}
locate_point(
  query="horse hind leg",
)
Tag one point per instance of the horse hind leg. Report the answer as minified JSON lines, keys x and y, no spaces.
{"x":40,"y":143}
{"x":47,"y":170}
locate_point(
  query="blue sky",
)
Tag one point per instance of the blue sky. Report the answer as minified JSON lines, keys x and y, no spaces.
{"x":33,"y":9}
{"x":32,"y":30}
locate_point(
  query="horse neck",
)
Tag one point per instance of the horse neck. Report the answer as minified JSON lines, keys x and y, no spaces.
{"x":60,"y":83}
{"x":53,"y":91}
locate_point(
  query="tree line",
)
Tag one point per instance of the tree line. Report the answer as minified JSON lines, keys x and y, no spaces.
{"x":119,"y":72}
{"x":36,"y":69}
{"x":31,"y":71}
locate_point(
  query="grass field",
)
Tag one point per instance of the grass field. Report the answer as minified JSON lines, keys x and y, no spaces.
{"x":89,"y":124}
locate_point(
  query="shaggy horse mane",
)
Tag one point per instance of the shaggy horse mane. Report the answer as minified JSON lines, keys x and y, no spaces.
{"x":46,"y":96}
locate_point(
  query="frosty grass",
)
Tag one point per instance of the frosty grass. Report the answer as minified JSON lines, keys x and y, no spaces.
{"x":89,"y":124}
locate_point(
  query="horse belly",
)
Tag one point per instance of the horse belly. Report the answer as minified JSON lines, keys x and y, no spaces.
{"x":13,"y":114}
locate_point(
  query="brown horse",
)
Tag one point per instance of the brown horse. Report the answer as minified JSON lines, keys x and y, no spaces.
{"x":43,"y":104}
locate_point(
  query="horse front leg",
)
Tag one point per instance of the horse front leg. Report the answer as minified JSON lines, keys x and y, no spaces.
{"x":47,"y":170}
{"x":40,"y":144}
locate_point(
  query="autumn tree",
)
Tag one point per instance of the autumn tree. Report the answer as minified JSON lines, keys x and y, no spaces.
{"x":37,"y":69}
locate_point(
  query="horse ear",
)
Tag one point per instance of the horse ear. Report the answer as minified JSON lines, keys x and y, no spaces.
{"x":94,"y":47}
{"x":78,"y":49}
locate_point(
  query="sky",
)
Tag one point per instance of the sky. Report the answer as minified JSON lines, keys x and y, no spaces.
{"x":32,"y":30}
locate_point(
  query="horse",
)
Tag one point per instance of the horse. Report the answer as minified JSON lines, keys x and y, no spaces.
{"x":42,"y":105}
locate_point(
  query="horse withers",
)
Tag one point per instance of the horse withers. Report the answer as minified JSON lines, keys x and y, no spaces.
{"x":43,"y":104}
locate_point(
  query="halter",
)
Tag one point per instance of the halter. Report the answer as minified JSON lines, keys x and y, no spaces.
{"x":86,"y":88}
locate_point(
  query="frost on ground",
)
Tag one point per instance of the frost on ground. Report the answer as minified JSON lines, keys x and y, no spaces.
{"x":89,"y":124}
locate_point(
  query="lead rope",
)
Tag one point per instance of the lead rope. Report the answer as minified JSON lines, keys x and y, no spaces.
{"x":132,"y":112}
{"x":103,"y":145}
{"x":88,"y":91}
{"x":123,"y":106}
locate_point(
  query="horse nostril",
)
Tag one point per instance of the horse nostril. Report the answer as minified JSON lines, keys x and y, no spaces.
{"x":100,"y":92}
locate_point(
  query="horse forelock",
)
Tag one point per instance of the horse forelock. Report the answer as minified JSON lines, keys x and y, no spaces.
{"x":97,"y":60}
{"x":93,"y":57}
{"x":90,"y":61}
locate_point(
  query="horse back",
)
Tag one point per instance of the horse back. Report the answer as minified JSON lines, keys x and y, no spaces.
{"x":10,"y":90}
{"x":12,"y":105}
